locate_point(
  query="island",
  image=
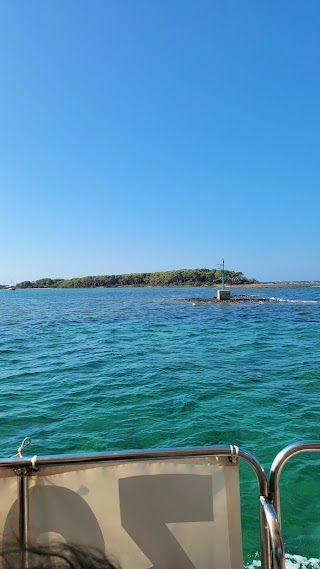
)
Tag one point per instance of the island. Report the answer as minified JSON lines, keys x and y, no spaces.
{"x":182,"y":277}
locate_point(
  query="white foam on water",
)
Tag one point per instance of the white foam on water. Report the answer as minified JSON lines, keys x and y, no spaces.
{"x":296,"y":301}
{"x":253,"y":564}
{"x":292,"y":562}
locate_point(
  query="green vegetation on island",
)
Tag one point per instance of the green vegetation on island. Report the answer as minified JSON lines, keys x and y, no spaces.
{"x":183,"y":277}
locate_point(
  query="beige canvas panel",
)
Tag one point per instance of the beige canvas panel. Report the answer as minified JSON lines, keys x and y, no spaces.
{"x":8,"y":504}
{"x":170,"y":514}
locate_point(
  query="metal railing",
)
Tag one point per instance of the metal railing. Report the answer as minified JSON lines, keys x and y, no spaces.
{"x":271,"y":543}
{"x":282,"y":457}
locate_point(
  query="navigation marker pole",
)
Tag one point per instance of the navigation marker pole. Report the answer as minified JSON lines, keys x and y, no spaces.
{"x":222,"y":294}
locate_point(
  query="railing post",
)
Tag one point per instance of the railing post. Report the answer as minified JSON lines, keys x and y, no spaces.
{"x":23,"y":510}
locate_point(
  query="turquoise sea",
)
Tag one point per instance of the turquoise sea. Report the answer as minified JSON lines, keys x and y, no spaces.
{"x":109,"y":369}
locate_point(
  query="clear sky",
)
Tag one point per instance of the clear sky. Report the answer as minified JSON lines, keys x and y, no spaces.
{"x":144,"y":135}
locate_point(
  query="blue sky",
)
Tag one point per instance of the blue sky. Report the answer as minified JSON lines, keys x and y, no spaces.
{"x":153,"y":135}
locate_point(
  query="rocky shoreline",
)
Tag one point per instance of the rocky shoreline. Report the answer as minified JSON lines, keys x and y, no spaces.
{"x":234,"y":298}
{"x":275,"y":284}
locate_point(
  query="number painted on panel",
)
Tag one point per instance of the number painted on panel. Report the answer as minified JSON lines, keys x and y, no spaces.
{"x":148,"y":503}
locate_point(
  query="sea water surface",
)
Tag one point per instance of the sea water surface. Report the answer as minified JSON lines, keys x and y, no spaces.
{"x":110,"y":369}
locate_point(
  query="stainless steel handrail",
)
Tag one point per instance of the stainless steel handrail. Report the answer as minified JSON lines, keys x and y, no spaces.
{"x":278,"y":464}
{"x":267,"y":530}
{"x":69,"y":459}
{"x":276,"y":539}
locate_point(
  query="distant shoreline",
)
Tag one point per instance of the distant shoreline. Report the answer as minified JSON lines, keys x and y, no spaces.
{"x":276,"y":284}
{"x":271,"y":284}
{"x":212,"y":278}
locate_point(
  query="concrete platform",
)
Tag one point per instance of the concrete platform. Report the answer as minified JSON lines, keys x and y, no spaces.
{"x":223,"y":295}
